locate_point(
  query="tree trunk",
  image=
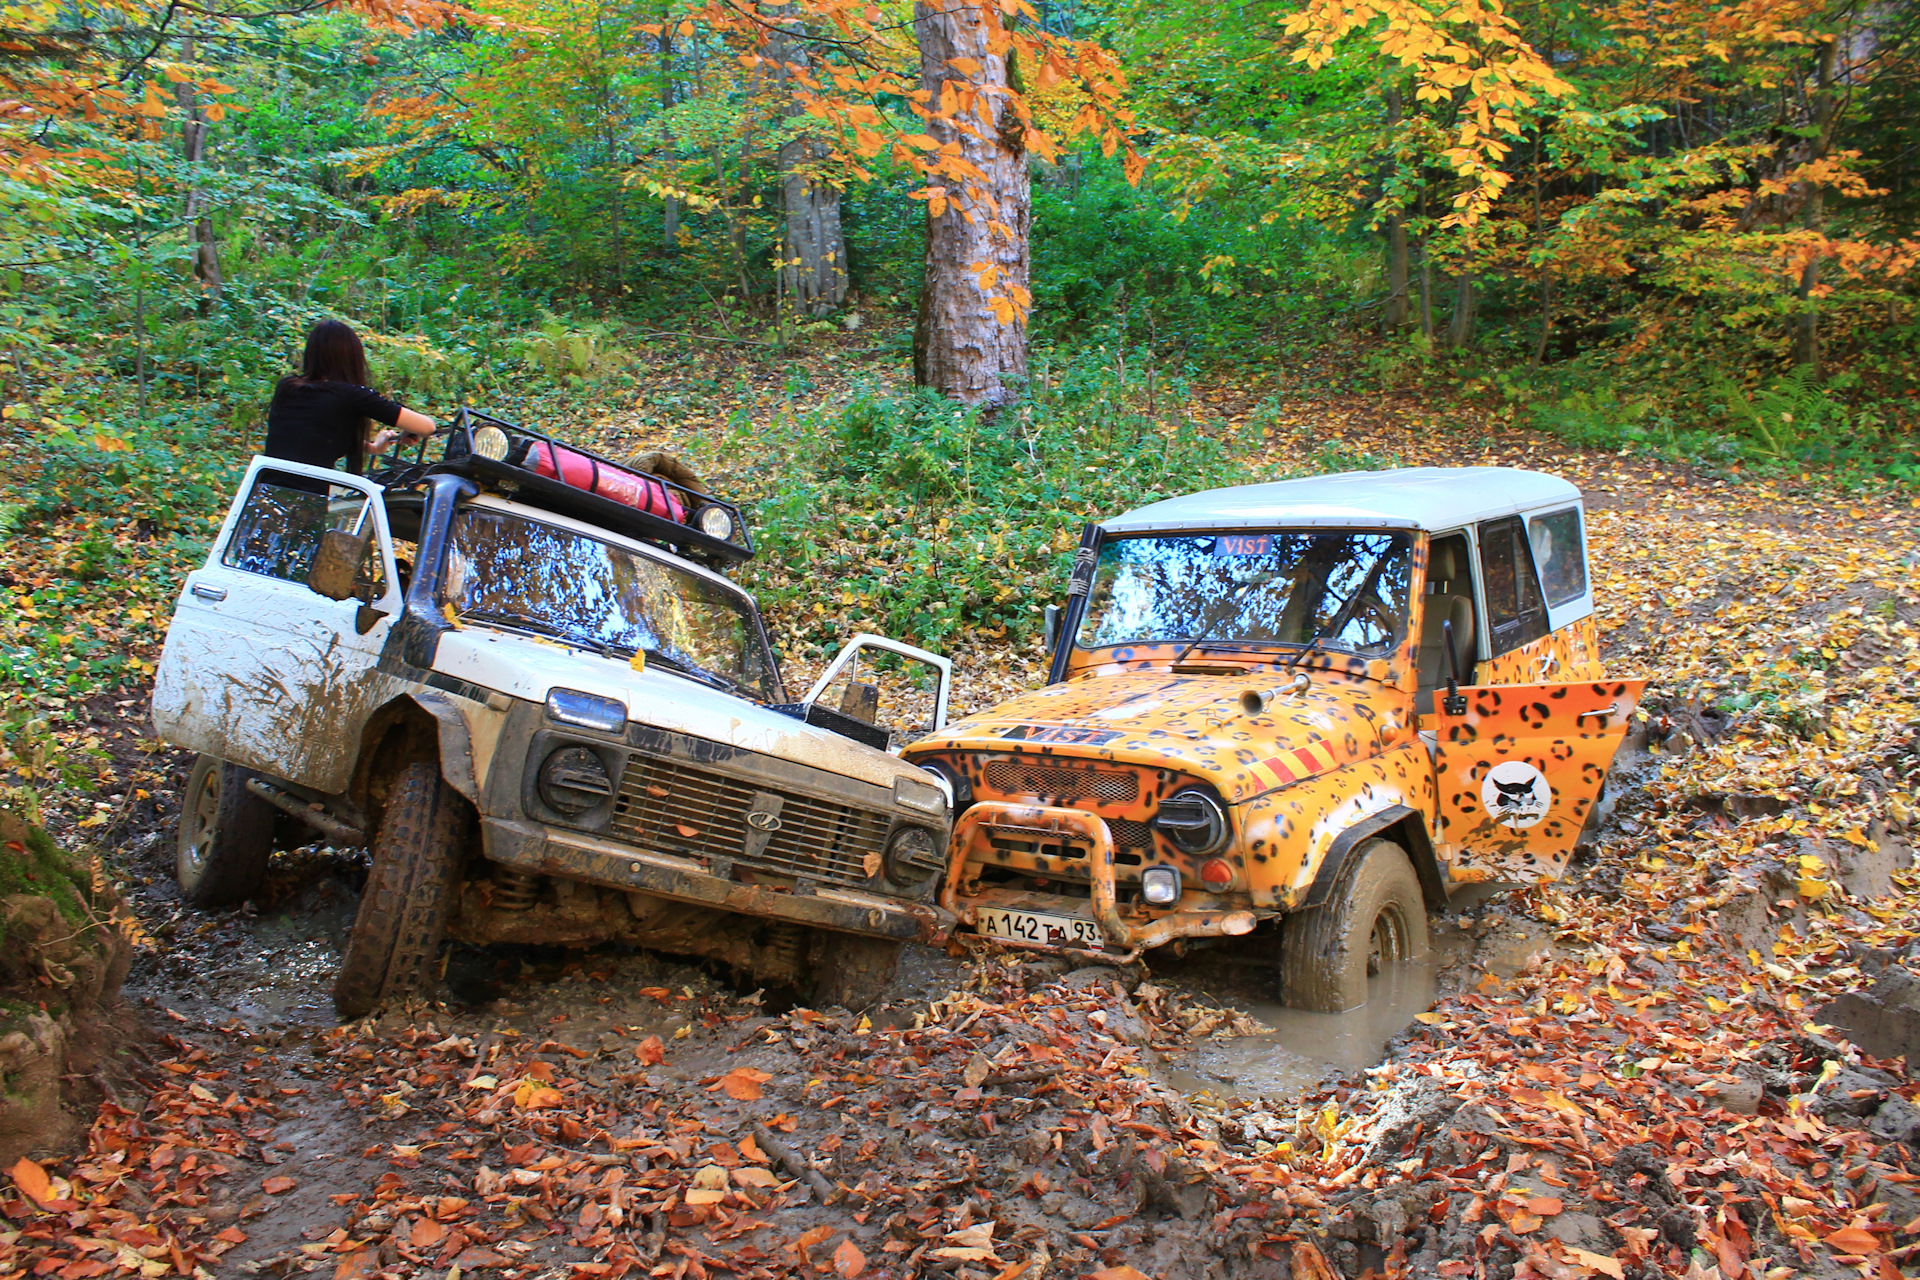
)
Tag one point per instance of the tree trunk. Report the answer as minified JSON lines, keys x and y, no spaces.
{"x":193,"y":148}
{"x":1460,"y":327}
{"x":1826,"y":109}
{"x":670,"y":211}
{"x":1426,"y":271}
{"x":970,"y":339}
{"x":1395,"y":317}
{"x":813,"y":257}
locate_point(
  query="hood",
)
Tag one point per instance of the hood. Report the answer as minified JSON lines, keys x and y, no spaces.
{"x":527,"y":668}
{"x":1193,"y":724}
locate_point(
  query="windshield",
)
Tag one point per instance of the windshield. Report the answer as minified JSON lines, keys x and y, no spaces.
{"x":1224,"y":590}
{"x":525,"y":575}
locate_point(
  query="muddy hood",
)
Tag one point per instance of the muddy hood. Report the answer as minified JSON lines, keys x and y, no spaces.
{"x":529,"y":669}
{"x":1191,"y":723}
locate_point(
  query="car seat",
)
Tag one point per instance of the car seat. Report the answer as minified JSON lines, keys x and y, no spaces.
{"x":1449,"y":599}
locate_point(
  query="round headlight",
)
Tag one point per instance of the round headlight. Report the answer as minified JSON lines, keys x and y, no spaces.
{"x":490,"y":443}
{"x":714,"y":521}
{"x":573,"y":781}
{"x":1193,"y":820}
{"x":913,"y":857}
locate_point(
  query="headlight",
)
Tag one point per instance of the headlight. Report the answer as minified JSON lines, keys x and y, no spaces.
{"x":1160,"y":886}
{"x":956,"y":784}
{"x":913,"y":857}
{"x":714,"y":521}
{"x":927,"y":797}
{"x":573,"y":781}
{"x":1194,"y":820}
{"x":490,"y":443}
{"x":587,"y":710}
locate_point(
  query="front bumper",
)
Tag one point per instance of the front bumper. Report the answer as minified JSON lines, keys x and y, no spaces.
{"x":1075,"y":826}
{"x":576,"y":856}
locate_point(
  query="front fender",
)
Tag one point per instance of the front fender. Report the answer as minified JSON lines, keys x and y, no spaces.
{"x":456,"y":742}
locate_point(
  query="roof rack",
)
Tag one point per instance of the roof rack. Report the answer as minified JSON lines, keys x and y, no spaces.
{"x":537,"y":469}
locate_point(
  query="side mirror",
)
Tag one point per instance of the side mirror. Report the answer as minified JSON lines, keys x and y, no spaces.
{"x":1456,"y":702}
{"x":336,"y":562}
{"x":861,"y":701}
{"x":1053,"y":628}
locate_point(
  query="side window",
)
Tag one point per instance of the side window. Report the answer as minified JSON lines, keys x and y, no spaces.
{"x":281,"y":522}
{"x":1559,"y":554}
{"x":1516,"y":614}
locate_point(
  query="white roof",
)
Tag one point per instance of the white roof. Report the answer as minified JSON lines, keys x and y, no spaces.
{"x":1434,"y":498}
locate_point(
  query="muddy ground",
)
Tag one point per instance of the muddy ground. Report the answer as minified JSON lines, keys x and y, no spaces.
{"x":1625,"y":1075}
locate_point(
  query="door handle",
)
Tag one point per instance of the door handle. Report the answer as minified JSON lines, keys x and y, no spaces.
{"x":1611,"y":709}
{"x":206,"y":592}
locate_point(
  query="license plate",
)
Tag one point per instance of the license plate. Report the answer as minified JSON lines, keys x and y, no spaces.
{"x":1033,"y":926}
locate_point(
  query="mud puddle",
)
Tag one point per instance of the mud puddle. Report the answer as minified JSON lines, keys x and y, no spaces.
{"x":1475,"y":937}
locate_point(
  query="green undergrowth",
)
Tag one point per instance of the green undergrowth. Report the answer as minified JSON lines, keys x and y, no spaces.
{"x":907,"y":514}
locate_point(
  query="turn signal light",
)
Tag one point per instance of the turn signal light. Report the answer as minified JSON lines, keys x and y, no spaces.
{"x":1215,"y":873}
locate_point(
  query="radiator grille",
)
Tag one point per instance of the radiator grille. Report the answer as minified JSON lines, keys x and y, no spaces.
{"x":1128,"y":834}
{"x":680,"y":808}
{"x":1019,"y":778}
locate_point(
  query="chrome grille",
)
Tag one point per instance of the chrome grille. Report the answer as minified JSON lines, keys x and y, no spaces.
{"x":1019,"y":778}
{"x":680,"y":808}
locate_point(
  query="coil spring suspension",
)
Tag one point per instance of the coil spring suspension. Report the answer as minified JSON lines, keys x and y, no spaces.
{"x":786,"y":948}
{"x":513,"y":889}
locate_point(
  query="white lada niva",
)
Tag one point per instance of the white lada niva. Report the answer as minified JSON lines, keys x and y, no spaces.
{"x":509,"y":669}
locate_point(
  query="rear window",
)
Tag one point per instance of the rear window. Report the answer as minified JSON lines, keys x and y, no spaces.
{"x":1559,"y":554}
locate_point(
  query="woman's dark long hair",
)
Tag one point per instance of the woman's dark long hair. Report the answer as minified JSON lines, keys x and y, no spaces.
{"x":334,"y":354}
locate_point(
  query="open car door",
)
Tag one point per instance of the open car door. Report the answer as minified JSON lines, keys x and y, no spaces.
{"x":1520,"y":767}
{"x":259,"y":668}
{"x":883,"y":692}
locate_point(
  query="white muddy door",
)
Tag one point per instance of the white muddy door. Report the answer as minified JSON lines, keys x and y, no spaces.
{"x":260,"y":669}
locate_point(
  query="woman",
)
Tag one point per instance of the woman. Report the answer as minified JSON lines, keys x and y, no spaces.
{"x":320,"y":415}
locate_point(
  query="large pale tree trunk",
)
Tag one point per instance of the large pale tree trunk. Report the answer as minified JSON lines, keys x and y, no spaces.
{"x":193,"y":148}
{"x":962,"y":348}
{"x":813,"y":258}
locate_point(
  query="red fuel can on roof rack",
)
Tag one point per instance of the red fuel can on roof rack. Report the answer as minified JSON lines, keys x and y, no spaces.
{"x":630,"y":488}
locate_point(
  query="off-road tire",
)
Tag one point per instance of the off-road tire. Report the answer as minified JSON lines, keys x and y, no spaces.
{"x":1376,"y":915}
{"x":412,"y":881}
{"x":850,"y":970}
{"x":226,"y":836}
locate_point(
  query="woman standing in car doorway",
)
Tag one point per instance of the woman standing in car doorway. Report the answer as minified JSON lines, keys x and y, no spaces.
{"x":321,"y":415}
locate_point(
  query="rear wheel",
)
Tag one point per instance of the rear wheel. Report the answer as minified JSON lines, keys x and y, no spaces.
{"x":851,"y":970}
{"x":226,"y":836}
{"x":415,"y":873}
{"x":1376,"y":916}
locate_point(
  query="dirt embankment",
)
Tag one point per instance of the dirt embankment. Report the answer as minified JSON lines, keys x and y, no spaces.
{"x":62,"y":959}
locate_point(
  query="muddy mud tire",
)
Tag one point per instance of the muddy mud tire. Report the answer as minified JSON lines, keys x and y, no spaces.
{"x":1376,"y":915}
{"x":411,"y":884}
{"x":850,"y":970}
{"x":226,"y":836}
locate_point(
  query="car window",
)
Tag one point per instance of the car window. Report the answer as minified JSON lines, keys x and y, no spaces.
{"x":1349,"y":589}
{"x":1516,"y":614}
{"x":502,"y":569}
{"x":281,"y":522}
{"x":1559,"y":555}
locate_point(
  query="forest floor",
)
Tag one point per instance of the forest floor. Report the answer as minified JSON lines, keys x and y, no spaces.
{"x":1625,"y":1074}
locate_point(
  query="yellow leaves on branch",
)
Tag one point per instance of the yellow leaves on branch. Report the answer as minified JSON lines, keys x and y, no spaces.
{"x":1469,"y":52}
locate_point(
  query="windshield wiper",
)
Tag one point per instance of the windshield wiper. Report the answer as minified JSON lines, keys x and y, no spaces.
{"x":578,"y":639}
{"x":720,"y":682}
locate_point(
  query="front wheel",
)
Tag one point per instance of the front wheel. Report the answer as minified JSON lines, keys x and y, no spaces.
{"x":226,"y":836}
{"x":1375,"y":916}
{"x":415,"y":873}
{"x":851,"y":970}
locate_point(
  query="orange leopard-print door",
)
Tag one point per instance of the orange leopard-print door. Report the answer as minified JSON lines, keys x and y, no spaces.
{"x":1520,"y":771}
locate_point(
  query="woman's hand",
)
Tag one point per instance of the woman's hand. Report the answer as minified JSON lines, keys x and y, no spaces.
{"x":383,"y":440}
